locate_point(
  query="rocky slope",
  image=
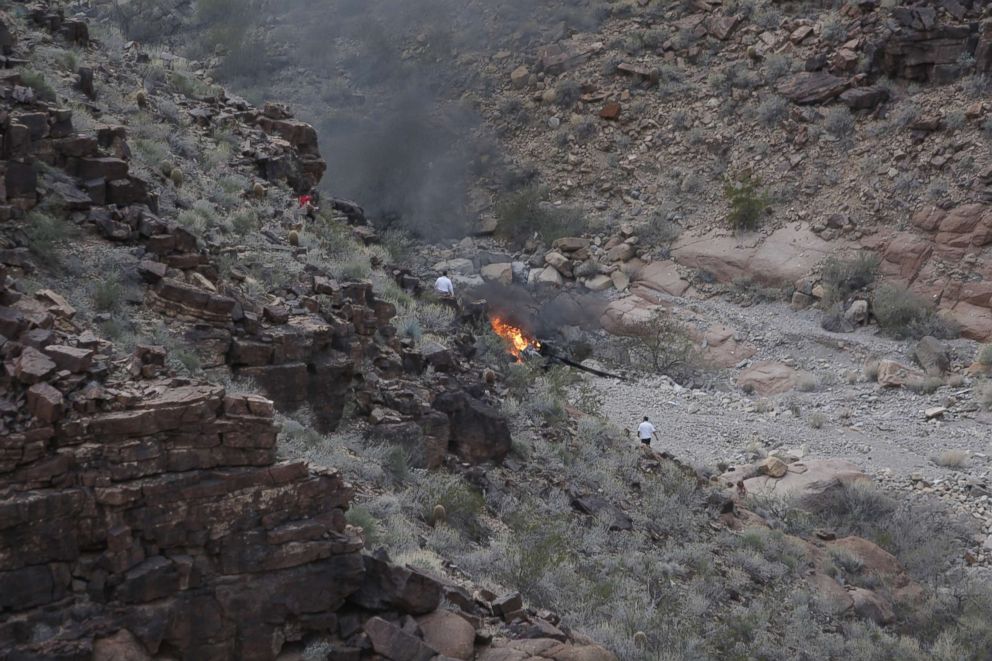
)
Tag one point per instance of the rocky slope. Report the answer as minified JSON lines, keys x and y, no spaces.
{"x":146,"y":513}
{"x":153,"y":249}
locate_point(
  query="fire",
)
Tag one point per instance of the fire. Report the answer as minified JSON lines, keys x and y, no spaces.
{"x":516,"y":339}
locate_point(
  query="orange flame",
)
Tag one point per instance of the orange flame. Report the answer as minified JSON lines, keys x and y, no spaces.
{"x":516,"y":339}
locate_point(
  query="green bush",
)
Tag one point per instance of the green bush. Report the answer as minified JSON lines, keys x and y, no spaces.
{"x":984,"y":356}
{"x":522,"y":213}
{"x":462,"y":503}
{"x":902,"y":314}
{"x":37,"y":82}
{"x":46,"y":234}
{"x":108,"y":293}
{"x":748,"y":202}
{"x":842,"y":277}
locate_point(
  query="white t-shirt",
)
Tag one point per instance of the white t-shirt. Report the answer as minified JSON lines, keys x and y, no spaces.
{"x":645,"y":430}
{"x":443,"y":285}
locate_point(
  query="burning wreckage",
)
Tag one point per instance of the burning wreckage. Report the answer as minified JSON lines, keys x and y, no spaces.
{"x":523,"y":345}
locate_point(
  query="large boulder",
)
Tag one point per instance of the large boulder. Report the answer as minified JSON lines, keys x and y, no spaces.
{"x":811,"y":87}
{"x":478,"y":431}
{"x":768,"y":378}
{"x":395,"y":644}
{"x":388,"y":587}
{"x":893,"y":375}
{"x":448,"y":633}
{"x":806,"y":483}
{"x":662,"y":277}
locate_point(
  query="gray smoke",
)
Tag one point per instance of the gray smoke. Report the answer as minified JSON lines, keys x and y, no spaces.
{"x":391,"y":86}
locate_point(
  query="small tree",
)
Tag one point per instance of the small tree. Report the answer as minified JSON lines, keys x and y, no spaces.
{"x":748,"y":202}
{"x":667,"y":344}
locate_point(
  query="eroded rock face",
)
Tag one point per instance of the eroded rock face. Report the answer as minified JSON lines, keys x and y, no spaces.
{"x":173,"y":519}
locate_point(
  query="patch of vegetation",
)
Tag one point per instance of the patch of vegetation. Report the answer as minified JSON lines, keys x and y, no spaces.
{"x":955,"y":459}
{"x":37,"y":82}
{"x":108,"y":293}
{"x":843,"y":277}
{"x":748,"y":202}
{"x":47,"y":234}
{"x":902,"y":314}
{"x":666,"y":344}
{"x":526,"y":212}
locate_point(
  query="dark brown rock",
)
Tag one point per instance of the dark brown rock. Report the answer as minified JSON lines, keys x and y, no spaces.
{"x":45,"y":403}
{"x":73,"y":359}
{"x":387,"y":587}
{"x":478,"y":432}
{"x":393,"y":643}
{"x":807,"y":88}
{"x":32,"y":366}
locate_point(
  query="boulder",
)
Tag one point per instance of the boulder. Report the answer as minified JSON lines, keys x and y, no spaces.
{"x":663,"y":277}
{"x":807,"y":88}
{"x":388,"y":587}
{"x":460,"y":266}
{"x":932,"y":356}
{"x":45,"y":403}
{"x":864,"y":98}
{"x":768,"y":378}
{"x":501,"y":273}
{"x":560,"y":262}
{"x":805,"y":483}
{"x":395,"y":644}
{"x":871,"y":606}
{"x":571,"y":243}
{"x":122,"y":646}
{"x":32,"y":366}
{"x":448,"y":633}
{"x":893,"y":375}
{"x":599,"y":282}
{"x":549,"y":276}
{"x":621,"y":252}
{"x":773,"y":467}
{"x":479,"y":432}
{"x":519,"y":77}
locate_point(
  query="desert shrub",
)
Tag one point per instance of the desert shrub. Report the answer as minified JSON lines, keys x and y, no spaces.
{"x":666,"y":344}
{"x":842,"y":277}
{"x":107,"y":293}
{"x":46,"y":234}
{"x":586,"y":129}
{"x":524,"y":212}
{"x":519,"y":377}
{"x":924,"y":536}
{"x":983,"y":394}
{"x":548,"y":408}
{"x":567,"y":93}
{"x":748,"y":202}
{"x":927,"y":386}
{"x":776,"y":66}
{"x":901,"y":314}
{"x":956,"y":459}
{"x":772,"y":111}
{"x":984,"y":356}
{"x":462,"y":502}
{"x":905,"y":115}
{"x":817,"y":420}
{"x":838,"y":122}
{"x":659,"y":231}
{"x":435,"y":317}
{"x":37,"y":82}
{"x":833,"y":30}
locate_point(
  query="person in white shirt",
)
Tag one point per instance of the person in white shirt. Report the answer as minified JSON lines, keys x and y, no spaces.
{"x":646,"y":431}
{"x":444,"y":286}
